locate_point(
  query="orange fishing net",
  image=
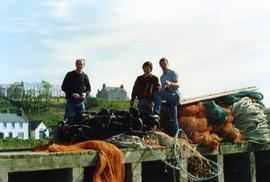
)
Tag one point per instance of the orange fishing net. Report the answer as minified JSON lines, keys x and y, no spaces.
{"x":111,"y":161}
{"x":197,"y":109}
{"x":228,"y":131}
{"x":191,"y":123}
{"x":193,"y":120}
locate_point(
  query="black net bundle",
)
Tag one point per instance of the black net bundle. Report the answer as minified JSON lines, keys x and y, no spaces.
{"x":104,"y":124}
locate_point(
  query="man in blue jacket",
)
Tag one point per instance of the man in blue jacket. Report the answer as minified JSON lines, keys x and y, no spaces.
{"x":170,"y":93}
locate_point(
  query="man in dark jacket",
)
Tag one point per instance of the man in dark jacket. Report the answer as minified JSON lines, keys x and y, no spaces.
{"x":76,"y":86}
{"x":144,"y":88}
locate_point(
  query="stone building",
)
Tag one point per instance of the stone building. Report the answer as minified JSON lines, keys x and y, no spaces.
{"x":112,"y":93}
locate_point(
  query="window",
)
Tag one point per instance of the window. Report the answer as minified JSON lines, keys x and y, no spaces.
{"x":20,"y":135}
{"x":10,"y":135}
{"x":13,"y":125}
{"x":5,"y":125}
{"x":20,"y":125}
{"x":42,"y":134}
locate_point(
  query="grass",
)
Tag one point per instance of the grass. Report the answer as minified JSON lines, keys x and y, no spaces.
{"x":94,"y":104}
{"x":15,"y":143}
{"x":49,"y":115}
{"x":54,"y":113}
{"x":6,"y":106}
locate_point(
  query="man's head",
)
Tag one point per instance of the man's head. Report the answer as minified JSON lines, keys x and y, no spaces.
{"x":147,"y":67}
{"x":164,"y":64}
{"x":80,"y":63}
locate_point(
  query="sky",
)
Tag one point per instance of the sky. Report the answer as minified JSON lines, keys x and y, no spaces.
{"x":213,"y":45}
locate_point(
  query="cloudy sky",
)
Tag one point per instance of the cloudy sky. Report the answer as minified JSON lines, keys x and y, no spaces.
{"x":214,"y":45}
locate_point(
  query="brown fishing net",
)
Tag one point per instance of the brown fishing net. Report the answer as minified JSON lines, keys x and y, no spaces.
{"x":111,"y":161}
{"x":193,"y":120}
{"x":195,"y":110}
{"x":180,"y":155}
{"x":185,"y":157}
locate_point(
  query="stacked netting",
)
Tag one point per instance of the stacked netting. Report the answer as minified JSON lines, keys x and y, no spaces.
{"x":234,"y":118}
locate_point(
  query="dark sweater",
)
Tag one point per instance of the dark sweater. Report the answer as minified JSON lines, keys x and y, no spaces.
{"x":144,"y":87}
{"x":75,"y":82}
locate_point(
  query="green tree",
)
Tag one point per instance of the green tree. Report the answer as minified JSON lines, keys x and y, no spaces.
{"x":46,"y":91}
{"x":16,"y":90}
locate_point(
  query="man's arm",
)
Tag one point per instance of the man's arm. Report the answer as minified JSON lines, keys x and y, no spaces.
{"x":134,"y":92}
{"x":87,"y":86}
{"x":157,"y":86}
{"x":173,"y":83}
{"x":65,"y":86}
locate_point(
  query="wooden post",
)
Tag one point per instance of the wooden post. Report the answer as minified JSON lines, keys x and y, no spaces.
{"x":3,"y":176}
{"x":251,"y":171}
{"x":182,"y":176}
{"x":133,"y":172}
{"x":219,"y":160}
{"x":74,"y":174}
{"x":77,"y":174}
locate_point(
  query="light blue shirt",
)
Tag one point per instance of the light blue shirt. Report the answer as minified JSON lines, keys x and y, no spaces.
{"x":171,"y":76}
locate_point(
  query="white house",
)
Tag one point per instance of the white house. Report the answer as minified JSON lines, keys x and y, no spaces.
{"x":13,"y":125}
{"x":38,"y":130}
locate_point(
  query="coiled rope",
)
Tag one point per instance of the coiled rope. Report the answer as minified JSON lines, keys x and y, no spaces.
{"x":250,"y":119}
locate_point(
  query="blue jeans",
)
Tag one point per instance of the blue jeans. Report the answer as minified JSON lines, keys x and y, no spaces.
{"x":73,"y":107}
{"x":145,"y":106}
{"x":172,"y":98}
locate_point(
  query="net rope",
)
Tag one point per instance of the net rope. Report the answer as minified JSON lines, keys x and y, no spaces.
{"x":182,"y":156}
{"x":250,"y":118}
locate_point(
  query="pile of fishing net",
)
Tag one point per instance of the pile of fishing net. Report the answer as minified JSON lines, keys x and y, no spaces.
{"x":181,"y":156}
{"x":212,"y":121}
{"x":110,"y":166}
{"x":249,"y":117}
{"x":267,"y":113}
{"x":208,"y":126}
{"x":103,"y":124}
{"x":256,"y":97}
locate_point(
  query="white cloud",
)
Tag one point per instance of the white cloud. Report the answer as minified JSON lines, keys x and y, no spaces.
{"x":61,"y":9}
{"x":213,"y":45}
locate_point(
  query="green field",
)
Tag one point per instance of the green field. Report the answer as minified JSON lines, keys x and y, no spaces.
{"x":53,"y":112}
{"x":50,"y":114}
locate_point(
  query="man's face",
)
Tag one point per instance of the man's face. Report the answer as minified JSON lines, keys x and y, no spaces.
{"x":164,"y":65}
{"x":147,"y":69}
{"x":79,"y":65}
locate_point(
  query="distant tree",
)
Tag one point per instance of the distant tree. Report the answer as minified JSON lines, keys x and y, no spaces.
{"x":16,"y":90}
{"x":46,"y":91}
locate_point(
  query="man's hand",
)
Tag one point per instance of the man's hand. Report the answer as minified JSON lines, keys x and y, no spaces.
{"x":83,"y":95}
{"x":76,"y":96}
{"x":167,"y":84}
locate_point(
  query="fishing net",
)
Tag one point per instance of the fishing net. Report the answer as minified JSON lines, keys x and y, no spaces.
{"x":231,"y":99}
{"x":110,"y":167}
{"x":249,"y":117}
{"x":194,"y":120}
{"x":215,"y":113}
{"x":195,"y":109}
{"x":182,"y":156}
{"x":267,"y":113}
